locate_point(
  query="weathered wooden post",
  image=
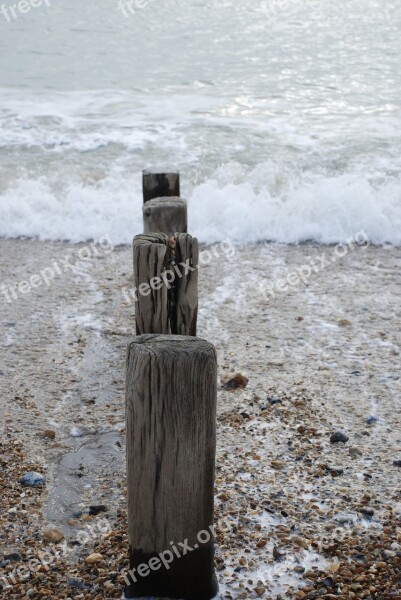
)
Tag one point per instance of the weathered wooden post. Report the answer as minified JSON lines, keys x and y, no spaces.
{"x":156,"y":184}
{"x":171,"y":442}
{"x":166,"y":283}
{"x":185,"y":316}
{"x":165,"y":215}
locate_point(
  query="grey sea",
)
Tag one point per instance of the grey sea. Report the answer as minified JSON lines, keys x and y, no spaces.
{"x":282,"y":116}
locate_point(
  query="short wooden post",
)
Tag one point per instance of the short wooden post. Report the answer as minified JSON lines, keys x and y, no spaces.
{"x":166,"y":283}
{"x":171,"y":443}
{"x":156,"y":184}
{"x":165,"y":215}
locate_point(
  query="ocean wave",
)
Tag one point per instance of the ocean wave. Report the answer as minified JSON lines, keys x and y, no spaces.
{"x":243,"y":205}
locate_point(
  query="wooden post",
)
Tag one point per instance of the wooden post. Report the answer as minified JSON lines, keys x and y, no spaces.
{"x":166,"y":283}
{"x":165,"y":215}
{"x":151,"y":301}
{"x":171,"y":393}
{"x":156,"y":184}
{"x":187,"y":259}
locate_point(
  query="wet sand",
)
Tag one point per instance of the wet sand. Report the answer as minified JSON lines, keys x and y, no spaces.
{"x":297,"y":516}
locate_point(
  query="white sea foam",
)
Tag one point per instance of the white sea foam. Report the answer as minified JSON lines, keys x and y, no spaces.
{"x":308,"y":206}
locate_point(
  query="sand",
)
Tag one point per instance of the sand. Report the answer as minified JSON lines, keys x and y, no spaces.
{"x":297,"y":516}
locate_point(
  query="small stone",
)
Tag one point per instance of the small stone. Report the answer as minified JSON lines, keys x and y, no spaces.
{"x":260,"y":591}
{"x":368,"y":512}
{"x":334,"y":567}
{"x":274,"y":400}
{"x":96,"y":509}
{"x":261,"y":544}
{"x":328,"y":582}
{"x":75,"y":583}
{"x":397,"y":463}
{"x":93,"y":559}
{"x":338,"y":436}
{"x":277,"y":555}
{"x":354,"y":452}
{"x":344,"y":323}
{"x":13,"y":557}
{"x":299,"y":569}
{"x":371,"y":420}
{"x":53,"y":535}
{"x":277,"y":464}
{"x":234,"y":382}
{"x":33,"y":479}
{"x":335,"y":471}
{"x":48,"y":433}
{"x":304,"y":543}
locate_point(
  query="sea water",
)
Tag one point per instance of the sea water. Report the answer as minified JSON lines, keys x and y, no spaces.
{"x":283,"y":117}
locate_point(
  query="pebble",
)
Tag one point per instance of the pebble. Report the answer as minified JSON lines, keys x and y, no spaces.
{"x":335,"y":471}
{"x":234,"y":382}
{"x":397,"y":463}
{"x":96,"y":509}
{"x":94,"y":558}
{"x":274,"y":400}
{"x":75,"y":583}
{"x":354,"y":452}
{"x":344,"y":323}
{"x":368,"y":512}
{"x":338,"y":436}
{"x":13,"y":557}
{"x":48,"y":433}
{"x":53,"y":535}
{"x":371,"y":420}
{"x":33,"y":479}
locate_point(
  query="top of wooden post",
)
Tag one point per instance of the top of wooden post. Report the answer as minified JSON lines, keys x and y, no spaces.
{"x":171,"y":344}
{"x":156,"y":184}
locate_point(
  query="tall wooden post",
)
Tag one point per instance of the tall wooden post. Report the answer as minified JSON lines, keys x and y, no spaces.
{"x":171,"y":442}
{"x":185,"y":316}
{"x":151,"y":303}
{"x":165,"y":215}
{"x":156,"y":184}
{"x":166,"y":283}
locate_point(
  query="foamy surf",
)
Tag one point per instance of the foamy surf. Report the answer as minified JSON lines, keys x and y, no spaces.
{"x":306,"y":206}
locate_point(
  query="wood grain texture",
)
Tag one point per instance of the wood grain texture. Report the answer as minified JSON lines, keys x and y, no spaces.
{"x":186,"y":310}
{"x":151,"y":304}
{"x":156,"y":184}
{"x":166,"y":215}
{"x":171,"y":392}
{"x":172,"y":306}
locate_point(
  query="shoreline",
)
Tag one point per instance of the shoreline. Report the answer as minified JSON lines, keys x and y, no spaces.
{"x":319,"y":357}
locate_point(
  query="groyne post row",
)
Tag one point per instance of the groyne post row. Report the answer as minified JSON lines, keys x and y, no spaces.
{"x":171,"y":395}
{"x":163,"y":210}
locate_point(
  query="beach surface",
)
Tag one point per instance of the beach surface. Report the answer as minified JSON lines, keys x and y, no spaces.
{"x":298,"y":514}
